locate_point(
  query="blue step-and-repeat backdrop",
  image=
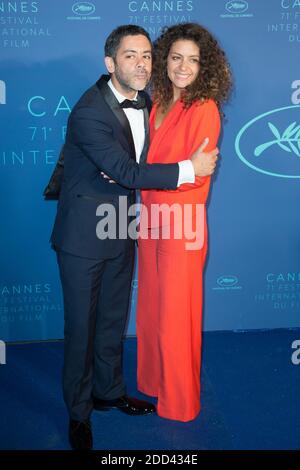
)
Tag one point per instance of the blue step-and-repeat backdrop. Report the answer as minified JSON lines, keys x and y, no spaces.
{"x":52,"y":50}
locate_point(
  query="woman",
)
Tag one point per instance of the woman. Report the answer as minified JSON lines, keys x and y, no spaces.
{"x":191,"y":78}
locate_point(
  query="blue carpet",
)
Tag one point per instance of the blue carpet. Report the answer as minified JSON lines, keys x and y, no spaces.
{"x":250,"y":399}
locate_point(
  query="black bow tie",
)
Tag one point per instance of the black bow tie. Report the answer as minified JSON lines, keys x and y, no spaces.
{"x":139,"y":103}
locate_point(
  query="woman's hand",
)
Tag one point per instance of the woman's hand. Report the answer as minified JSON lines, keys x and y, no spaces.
{"x":204,"y":163}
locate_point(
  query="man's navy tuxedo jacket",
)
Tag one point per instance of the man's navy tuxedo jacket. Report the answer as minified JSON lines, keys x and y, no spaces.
{"x":99,"y":139}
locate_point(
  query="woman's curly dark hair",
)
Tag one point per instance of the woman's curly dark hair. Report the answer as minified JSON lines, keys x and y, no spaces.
{"x":214,"y":79}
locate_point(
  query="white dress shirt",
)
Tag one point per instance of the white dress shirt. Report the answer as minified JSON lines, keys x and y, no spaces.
{"x":136,"y":122}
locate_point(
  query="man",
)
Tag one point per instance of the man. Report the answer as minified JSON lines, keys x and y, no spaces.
{"x":105,"y":135}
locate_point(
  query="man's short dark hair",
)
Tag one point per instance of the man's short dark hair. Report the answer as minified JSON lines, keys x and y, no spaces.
{"x":114,"y":39}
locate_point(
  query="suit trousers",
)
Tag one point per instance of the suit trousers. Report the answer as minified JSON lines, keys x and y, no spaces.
{"x":96,"y":298}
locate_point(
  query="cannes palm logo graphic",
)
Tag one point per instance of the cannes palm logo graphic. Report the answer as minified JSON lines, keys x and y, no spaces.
{"x":227,"y":281}
{"x":2,"y":92}
{"x":270,"y":143}
{"x":83,"y":8}
{"x":288,"y":141}
{"x":237,"y":6}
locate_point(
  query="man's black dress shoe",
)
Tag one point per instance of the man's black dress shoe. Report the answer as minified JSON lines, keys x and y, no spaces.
{"x":80,"y":435}
{"x":128,"y":405}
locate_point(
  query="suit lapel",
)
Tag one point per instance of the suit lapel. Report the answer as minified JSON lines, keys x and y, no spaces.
{"x":114,"y":105}
{"x":143,"y":156}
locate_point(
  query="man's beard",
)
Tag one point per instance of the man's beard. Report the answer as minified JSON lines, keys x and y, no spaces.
{"x":125,"y":83}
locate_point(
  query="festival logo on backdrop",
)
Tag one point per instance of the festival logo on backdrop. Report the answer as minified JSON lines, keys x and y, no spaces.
{"x":227,"y":282}
{"x":83,"y":8}
{"x":288,"y":24}
{"x":83,"y":11}
{"x":281,"y":291}
{"x":237,"y":6}
{"x":45,"y":125}
{"x":236,"y":9}
{"x":270,"y":143}
{"x":27,"y":304}
{"x":154,"y":16}
{"x":21,"y":25}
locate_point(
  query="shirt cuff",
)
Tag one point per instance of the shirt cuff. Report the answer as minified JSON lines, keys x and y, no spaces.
{"x":186,"y":172}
